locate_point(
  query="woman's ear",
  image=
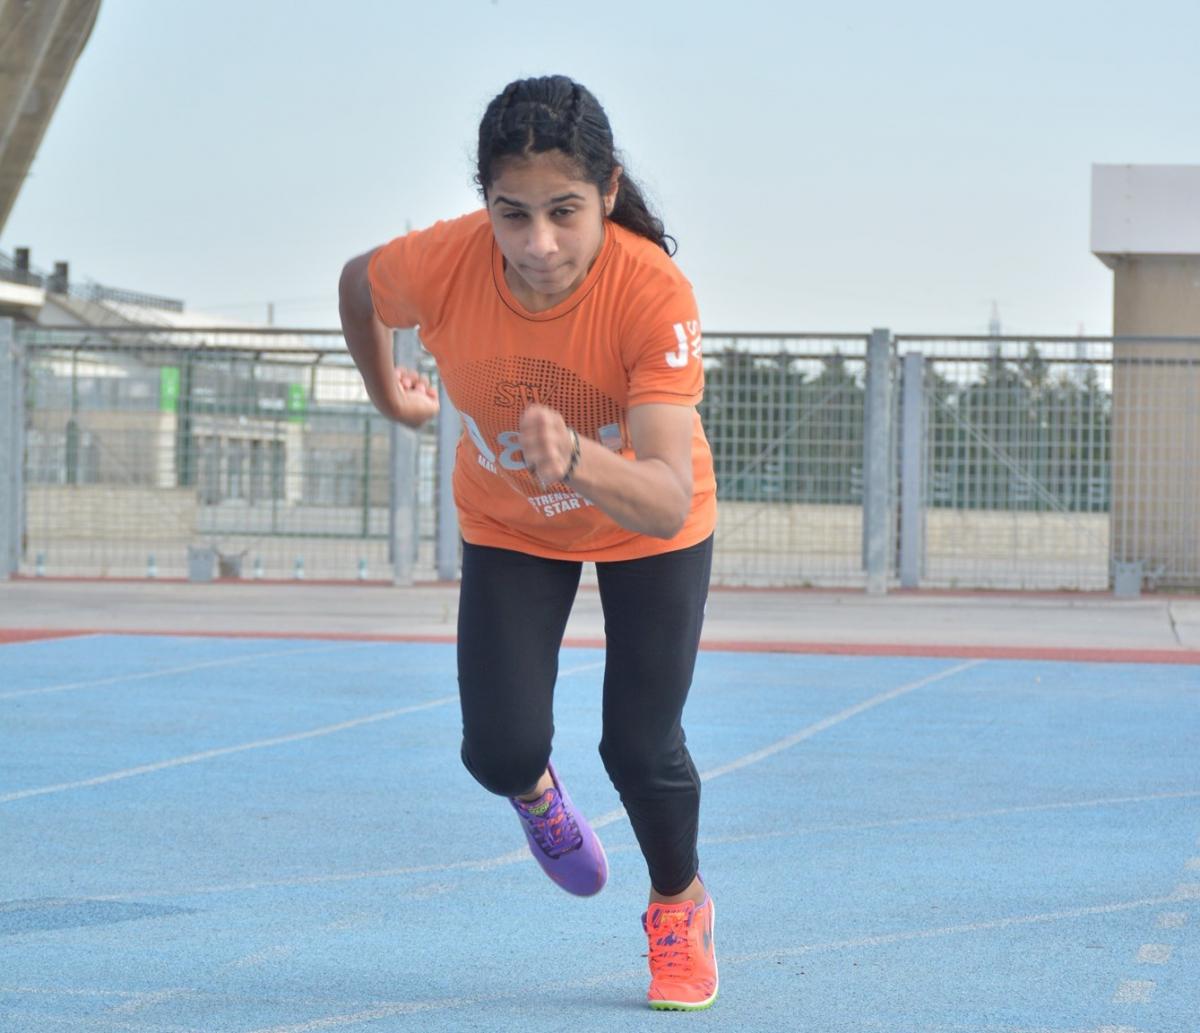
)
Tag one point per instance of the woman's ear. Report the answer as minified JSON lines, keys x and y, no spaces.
{"x":614,"y":185}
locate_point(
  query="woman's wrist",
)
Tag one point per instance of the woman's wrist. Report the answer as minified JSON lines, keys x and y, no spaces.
{"x":573,"y":462}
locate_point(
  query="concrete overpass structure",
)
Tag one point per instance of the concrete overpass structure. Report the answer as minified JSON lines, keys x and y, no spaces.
{"x":40,"y":41}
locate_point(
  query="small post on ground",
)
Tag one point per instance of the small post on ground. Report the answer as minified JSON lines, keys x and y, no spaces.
{"x":877,"y":461}
{"x":912,"y":472}
{"x":449,"y":429}
{"x":12,"y":451}
{"x":403,"y":443}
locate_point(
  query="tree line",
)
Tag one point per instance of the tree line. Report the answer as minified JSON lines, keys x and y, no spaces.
{"x":999,"y":433}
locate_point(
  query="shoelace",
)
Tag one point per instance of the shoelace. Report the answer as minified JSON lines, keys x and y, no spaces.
{"x":554,"y":831}
{"x":669,"y":942}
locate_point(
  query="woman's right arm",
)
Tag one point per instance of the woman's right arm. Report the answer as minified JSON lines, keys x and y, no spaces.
{"x":402,"y":395}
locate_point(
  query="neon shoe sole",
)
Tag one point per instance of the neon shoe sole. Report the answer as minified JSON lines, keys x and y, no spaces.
{"x":683,"y":1005}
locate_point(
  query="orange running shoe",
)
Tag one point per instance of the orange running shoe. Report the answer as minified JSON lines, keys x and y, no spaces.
{"x":683,"y":963}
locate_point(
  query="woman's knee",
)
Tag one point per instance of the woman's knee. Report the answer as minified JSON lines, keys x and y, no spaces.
{"x":505,"y":771}
{"x":634,"y":764}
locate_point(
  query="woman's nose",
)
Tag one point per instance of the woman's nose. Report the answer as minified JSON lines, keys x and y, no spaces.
{"x":541,"y":240}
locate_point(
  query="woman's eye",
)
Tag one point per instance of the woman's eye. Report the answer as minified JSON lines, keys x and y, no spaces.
{"x":562,"y":213}
{"x":514,"y":215}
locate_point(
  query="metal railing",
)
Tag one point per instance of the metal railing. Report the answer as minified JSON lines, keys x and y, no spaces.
{"x":143,"y":448}
{"x":1016,"y":480}
{"x":98,"y":292}
{"x":855,"y":460}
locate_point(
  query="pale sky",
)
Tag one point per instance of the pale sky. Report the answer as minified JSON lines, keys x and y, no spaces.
{"x":825,"y":167}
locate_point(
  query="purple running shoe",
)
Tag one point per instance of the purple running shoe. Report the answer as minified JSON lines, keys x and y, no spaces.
{"x":562,"y":841}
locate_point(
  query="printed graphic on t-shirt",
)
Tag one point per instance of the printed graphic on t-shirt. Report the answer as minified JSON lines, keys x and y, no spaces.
{"x":687,"y":335}
{"x":630,"y":336}
{"x":491,"y":395}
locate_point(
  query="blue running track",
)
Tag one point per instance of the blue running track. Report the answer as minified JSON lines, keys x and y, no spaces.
{"x":201,"y":835}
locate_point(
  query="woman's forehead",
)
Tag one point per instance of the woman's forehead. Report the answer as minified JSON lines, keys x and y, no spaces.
{"x":540,"y":177}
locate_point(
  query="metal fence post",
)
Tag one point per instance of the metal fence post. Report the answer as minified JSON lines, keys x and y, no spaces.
{"x":876,"y":461}
{"x":12,"y":452}
{"x":912,"y":472}
{"x":448,"y":431}
{"x":403,"y":443}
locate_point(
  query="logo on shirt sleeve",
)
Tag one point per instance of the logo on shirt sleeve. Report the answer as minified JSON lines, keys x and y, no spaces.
{"x":688,"y":336}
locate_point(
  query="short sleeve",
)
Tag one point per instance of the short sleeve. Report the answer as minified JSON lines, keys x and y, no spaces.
{"x":409,"y":275}
{"x":665,"y":362}
{"x":395,"y":284}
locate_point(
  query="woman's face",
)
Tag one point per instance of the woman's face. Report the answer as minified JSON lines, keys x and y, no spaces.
{"x":548,"y":224}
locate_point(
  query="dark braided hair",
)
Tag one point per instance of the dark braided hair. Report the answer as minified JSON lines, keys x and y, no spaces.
{"x":555,"y":113}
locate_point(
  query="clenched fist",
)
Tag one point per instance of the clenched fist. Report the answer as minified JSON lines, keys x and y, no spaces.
{"x":418,"y":401}
{"x":547,"y":444}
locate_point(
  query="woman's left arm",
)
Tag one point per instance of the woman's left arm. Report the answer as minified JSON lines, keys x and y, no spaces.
{"x":652,"y":495}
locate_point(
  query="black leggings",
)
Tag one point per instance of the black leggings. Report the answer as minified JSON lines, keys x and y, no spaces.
{"x":512,"y":612}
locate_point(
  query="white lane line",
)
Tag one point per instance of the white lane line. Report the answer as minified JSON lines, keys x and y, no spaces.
{"x":834,"y":719}
{"x":521,"y":854}
{"x":887,"y":939}
{"x":1172,"y":920}
{"x":163,"y":672}
{"x":597,"y":666}
{"x":1134,"y":991}
{"x":963,"y":1027}
{"x":196,"y":758}
{"x":985,"y":1027}
{"x":281,"y":950}
{"x":997,"y":812}
{"x":69,"y":991}
{"x":483,"y":865}
{"x":387,"y":1010}
{"x":96,"y":1024}
{"x":1154,"y":953}
{"x":787,"y":742}
{"x":148,"y":1000}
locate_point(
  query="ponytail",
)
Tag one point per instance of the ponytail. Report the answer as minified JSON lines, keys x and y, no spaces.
{"x":632,"y":212}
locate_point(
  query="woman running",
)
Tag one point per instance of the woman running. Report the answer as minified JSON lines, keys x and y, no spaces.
{"x":569,"y":343}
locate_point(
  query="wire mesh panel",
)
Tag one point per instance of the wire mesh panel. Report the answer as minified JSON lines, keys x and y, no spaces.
{"x":1048,"y":463}
{"x":172,"y":453}
{"x":784,"y":416}
{"x":1018,"y":461}
{"x":256,"y":454}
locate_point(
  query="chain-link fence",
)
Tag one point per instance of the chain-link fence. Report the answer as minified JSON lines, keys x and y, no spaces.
{"x":1017,"y":461}
{"x":785,"y":417}
{"x":170,"y":453}
{"x":1048,"y":463}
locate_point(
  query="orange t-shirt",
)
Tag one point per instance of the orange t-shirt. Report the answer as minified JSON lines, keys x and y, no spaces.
{"x":628,"y":335}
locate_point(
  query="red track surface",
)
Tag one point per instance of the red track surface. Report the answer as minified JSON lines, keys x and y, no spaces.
{"x":981,"y":652}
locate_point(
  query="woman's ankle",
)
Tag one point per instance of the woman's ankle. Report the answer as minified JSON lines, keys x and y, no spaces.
{"x":695,"y":892}
{"x":543,"y":783}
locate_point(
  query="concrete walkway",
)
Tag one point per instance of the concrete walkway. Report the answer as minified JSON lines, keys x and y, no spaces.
{"x":1100,"y":626}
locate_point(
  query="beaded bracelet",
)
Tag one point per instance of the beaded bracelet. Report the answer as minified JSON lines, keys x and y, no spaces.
{"x":566,"y":477}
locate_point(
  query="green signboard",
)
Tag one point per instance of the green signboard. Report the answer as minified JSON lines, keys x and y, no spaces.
{"x":168,"y":389}
{"x":297,"y":401}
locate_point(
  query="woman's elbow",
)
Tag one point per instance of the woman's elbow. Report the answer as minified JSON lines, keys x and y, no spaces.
{"x":672,"y":519}
{"x":353,"y":286}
